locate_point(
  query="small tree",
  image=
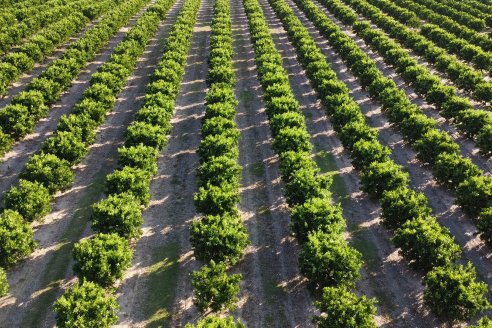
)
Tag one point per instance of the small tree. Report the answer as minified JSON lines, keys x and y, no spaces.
{"x":340,"y":308}
{"x":401,"y":205}
{"x":221,"y":237}
{"x":292,"y":161}
{"x":306,"y":183}
{"x":147,"y":134}
{"x":52,"y":172}
{"x":66,"y":145}
{"x":316,"y":214}
{"x":381,"y":177}
{"x":453,"y":169}
{"x":484,"y":225}
{"x":327,"y":260}
{"x":119,"y":213}
{"x":219,"y":170}
{"x":433,"y":143}
{"x":213,"y":289}
{"x":32,"y":200}
{"x":86,"y":305}
{"x":453,"y":291}
{"x":140,"y":157}
{"x":213,"y":321}
{"x":217,"y":145}
{"x":132,"y":180}
{"x":426,"y":243}
{"x":484,"y":322}
{"x":216,"y":200}
{"x":4,"y":284}
{"x":365,"y":152}
{"x":475,"y":194}
{"x":102,"y":259}
{"x":16,"y":121}
{"x":16,"y":238}
{"x":292,"y":139}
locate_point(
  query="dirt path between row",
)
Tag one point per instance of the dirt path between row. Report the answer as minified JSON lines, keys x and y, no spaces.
{"x":385,"y":275}
{"x":440,"y":200}
{"x":156,"y":290}
{"x":12,"y":164}
{"x":273,"y":294}
{"x":35,"y":283}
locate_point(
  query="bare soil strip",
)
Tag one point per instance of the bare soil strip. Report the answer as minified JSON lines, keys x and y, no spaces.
{"x":440,"y":199}
{"x":273,"y":294}
{"x":385,"y":275}
{"x":13,"y":162}
{"x":36,"y":282}
{"x":156,"y":291}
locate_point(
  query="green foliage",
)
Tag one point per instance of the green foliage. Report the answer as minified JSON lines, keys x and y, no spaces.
{"x":140,"y":157}
{"x":365,"y":152}
{"x":16,"y":121}
{"x":381,"y":177}
{"x":327,"y":260}
{"x":213,"y":321}
{"x":144,"y":133}
{"x":132,"y":180}
{"x":217,"y":145}
{"x":453,"y":291}
{"x":216,"y":200}
{"x":31,"y":200}
{"x":484,"y":322}
{"x":340,"y":308}
{"x":85,"y":306}
{"x":16,"y":238}
{"x":213,"y":289}
{"x":484,"y":225}
{"x":306,"y":183}
{"x":402,"y":205}
{"x":316,"y":214}
{"x":426,"y":243}
{"x":102,"y":259}
{"x":4,"y":284}
{"x":474,"y":194}
{"x":52,"y":172}
{"x":219,"y":170}
{"x":434,"y":143}
{"x":221,"y":238}
{"x":119,"y":213}
{"x":452,"y":169}
{"x":66,"y":145}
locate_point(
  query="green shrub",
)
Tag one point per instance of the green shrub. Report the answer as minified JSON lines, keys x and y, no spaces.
{"x":52,"y":172}
{"x":474,"y":194}
{"x":426,"y":243}
{"x":140,"y":157}
{"x":17,"y":121}
{"x":327,"y":260}
{"x":216,"y":200}
{"x":213,"y":289}
{"x":119,"y":213}
{"x":453,"y":291}
{"x":292,"y":139}
{"x":16,"y":238}
{"x":213,"y":321}
{"x":381,"y":177}
{"x":219,"y":170}
{"x":34,"y":101}
{"x":86,"y":305}
{"x":102,"y":259}
{"x":306,"y":183}
{"x":66,"y":145}
{"x":316,"y":214}
{"x":365,"y":152}
{"x":4,"y":284}
{"x":132,"y":180}
{"x":217,"y":145}
{"x":453,"y":169}
{"x":402,"y":205}
{"x":147,"y":134}
{"x":340,"y":308}
{"x":31,"y":200}
{"x":79,"y":125}
{"x":221,"y":238}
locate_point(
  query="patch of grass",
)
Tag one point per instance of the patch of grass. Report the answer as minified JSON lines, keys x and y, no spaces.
{"x":373,"y":264}
{"x":246,"y":96}
{"x":57,"y":267}
{"x":263,"y":210}
{"x":257,"y":169}
{"x":274,"y":293}
{"x":326,"y":163}
{"x":161,"y":286}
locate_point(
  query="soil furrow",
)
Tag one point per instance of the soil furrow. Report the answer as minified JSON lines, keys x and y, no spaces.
{"x":273,"y":292}
{"x":385,"y":275}
{"x":13,"y":162}
{"x":440,"y":199}
{"x":35,"y":283}
{"x":156,"y":290}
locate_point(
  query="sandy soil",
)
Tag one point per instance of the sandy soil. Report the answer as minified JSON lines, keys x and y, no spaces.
{"x":385,"y":275}
{"x":35,"y":283}
{"x":440,"y":199}
{"x":273,"y":294}
{"x":12,"y":164}
{"x":157,"y":289}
